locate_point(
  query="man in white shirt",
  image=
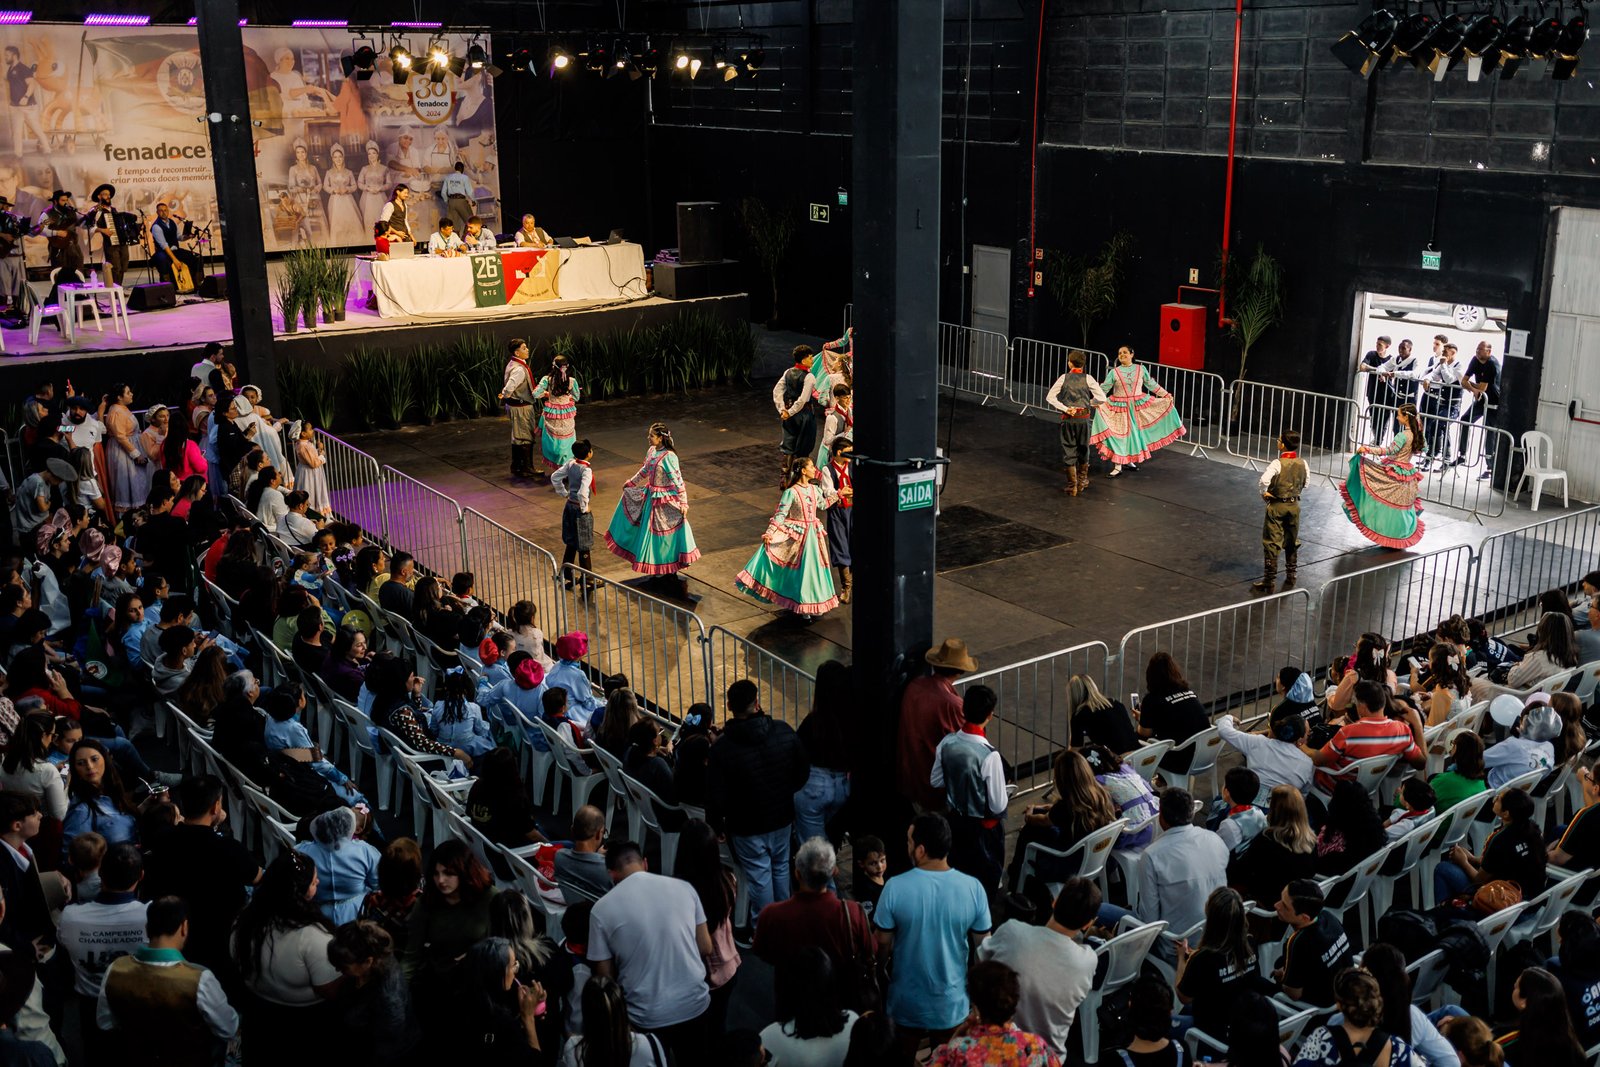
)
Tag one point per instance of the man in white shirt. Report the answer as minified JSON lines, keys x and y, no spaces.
{"x":152,"y":995}
{"x":212,"y":359}
{"x":1181,"y":867}
{"x":1441,"y":392}
{"x":80,"y":429}
{"x":1075,"y":395}
{"x":649,"y":933}
{"x":1055,"y":967}
{"x":295,"y":527}
{"x":791,"y":396}
{"x":446,"y":242}
{"x":1277,"y":760}
{"x":575,"y":481}
{"x":968,"y":768}
{"x":95,"y":935}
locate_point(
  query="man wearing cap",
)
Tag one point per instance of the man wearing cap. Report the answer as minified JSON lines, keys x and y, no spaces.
{"x":102,"y":219}
{"x":33,"y":497}
{"x":930,"y":710}
{"x":1529,"y":747}
{"x":59,"y":223}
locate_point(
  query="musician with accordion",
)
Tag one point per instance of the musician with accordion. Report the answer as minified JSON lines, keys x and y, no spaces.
{"x":59,"y":222}
{"x":176,"y":264}
{"x":114,"y":231}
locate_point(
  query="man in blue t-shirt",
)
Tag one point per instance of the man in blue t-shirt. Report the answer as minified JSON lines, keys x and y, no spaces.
{"x":929,"y":919}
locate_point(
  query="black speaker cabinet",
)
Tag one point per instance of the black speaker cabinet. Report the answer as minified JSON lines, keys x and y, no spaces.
{"x":214,"y":287}
{"x":151,"y":297}
{"x":699,"y":231}
{"x":686,"y":281}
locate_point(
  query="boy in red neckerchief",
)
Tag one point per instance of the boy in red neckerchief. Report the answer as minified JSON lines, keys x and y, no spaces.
{"x":575,"y":481}
{"x":1075,"y":395}
{"x":1281,"y":485}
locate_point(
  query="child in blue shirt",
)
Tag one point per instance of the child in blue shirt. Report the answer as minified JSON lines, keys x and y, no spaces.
{"x":457,"y":721}
{"x":284,"y":730}
{"x":1242,"y":820}
{"x":491,"y":653}
{"x":524,"y":690}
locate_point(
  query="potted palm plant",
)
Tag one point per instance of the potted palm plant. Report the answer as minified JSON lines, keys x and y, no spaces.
{"x":288,"y":299}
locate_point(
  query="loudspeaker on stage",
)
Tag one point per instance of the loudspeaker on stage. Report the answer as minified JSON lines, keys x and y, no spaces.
{"x":153,"y":296}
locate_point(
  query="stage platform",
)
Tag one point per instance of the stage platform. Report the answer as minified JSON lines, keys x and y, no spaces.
{"x":1023,"y":569}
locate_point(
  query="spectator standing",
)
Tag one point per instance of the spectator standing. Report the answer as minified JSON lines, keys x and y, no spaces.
{"x":1182,"y":867}
{"x":451,"y":916}
{"x":826,"y":733}
{"x":376,"y":1022}
{"x":168,"y":1012}
{"x":930,"y":710}
{"x":992,"y":1038}
{"x":970,"y":771}
{"x":816,"y":916}
{"x":1054,"y":967}
{"x":280,"y":942}
{"x":755,"y":769}
{"x":699,"y":863}
{"x":97,"y":934}
{"x":812,"y":1027}
{"x":929,"y":917}
{"x":649,"y":933}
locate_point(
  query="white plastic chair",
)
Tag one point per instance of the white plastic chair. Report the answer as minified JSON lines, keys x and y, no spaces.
{"x":1290,"y":1027}
{"x":537,"y":763}
{"x":1427,"y":977}
{"x":1125,"y":861}
{"x":570,"y":764}
{"x":621,"y":800}
{"x":1349,"y":891}
{"x":38,"y":311}
{"x":541,"y":892}
{"x":1087,"y":857}
{"x":1368,"y":773}
{"x":1538,"y":453}
{"x":1496,"y":928}
{"x":1124,"y":954}
{"x":1450,"y":829}
{"x":1204,"y":748}
{"x":649,"y":806}
{"x":1146,"y":759}
{"x":1545,"y":910}
{"x":1400,"y":860}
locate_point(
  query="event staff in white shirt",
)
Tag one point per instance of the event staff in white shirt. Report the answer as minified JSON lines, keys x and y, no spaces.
{"x":446,"y":242}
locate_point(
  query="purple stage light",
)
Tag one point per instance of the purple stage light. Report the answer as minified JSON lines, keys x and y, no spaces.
{"x":116,"y":20}
{"x":194,"y":21}
{"x":417,"y":25}
{"x":320,"y":24}
{"x":15,"y":18}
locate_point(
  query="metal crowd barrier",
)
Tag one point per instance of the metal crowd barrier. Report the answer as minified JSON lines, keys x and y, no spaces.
{"x":1460,"y":486}
{"x":355,"y":485}
{"x":1229,"y":655}
{"x":845,"y":326}
{"x":1516,"y":566}
{"x":1326,"y":425}
{"x":422,"y":521}
{"x":1035,"y":366}
{"x":1033,"y":720}
{"x":973,"y":361}
{"x":786,"y":690}
{"x":507,"y":568}
{"x":1398,"y":600}
{"x":11,"y":456}
{"x":657,"y":644}
{"x":1202,"y":401}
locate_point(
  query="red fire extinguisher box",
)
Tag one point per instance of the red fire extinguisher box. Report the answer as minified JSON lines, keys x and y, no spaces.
{"x":1183,"y":336}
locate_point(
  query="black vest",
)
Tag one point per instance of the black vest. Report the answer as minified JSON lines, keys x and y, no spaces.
{"x":794,"y":380}
{"x":170,"y":229}
{"x":1074,"y":393}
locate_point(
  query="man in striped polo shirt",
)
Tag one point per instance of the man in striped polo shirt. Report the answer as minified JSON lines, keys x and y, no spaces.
{"x":1372,"y":734}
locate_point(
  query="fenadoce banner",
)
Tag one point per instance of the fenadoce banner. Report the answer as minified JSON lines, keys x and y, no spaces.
{"x":86,"y":106}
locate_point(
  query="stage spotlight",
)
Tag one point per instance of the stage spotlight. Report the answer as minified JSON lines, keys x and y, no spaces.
{"x":623,"y":61}
{"x":358,"y":64}
{"x":1514,"y":44}
{"x":1565,"y":61}
{"x":597,"y":59}
{"x":522,"y":59}
{"x":401,"y":61}
{"x":719,"y":57}
{"x":694,"y":68}
{"x":681,"y":61}
{"x":558,"y":60}
{"x":1412,"y":38}
{"x":1546,"y":33}
{"x":649,"y":61}
{"x":1446,"y":44}
{"x":1366,"y":48}
{"x":1481,"y":44}
{"x":478,"y":60}
{"x":753,"y":61}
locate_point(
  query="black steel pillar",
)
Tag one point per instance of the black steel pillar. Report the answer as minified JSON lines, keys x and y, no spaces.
{"x":238,"y":202}
{"x":895,"y":85}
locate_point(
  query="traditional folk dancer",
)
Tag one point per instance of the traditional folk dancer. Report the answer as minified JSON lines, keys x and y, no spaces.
{"x":1281,"y":485}
{"x":1380,"y":495}
{"x":559,"y":421}
{"x":1078,"y":397}
{"x":794,"y":397}
{"x":517,"y":395}
{"x":1137,"y":419}
{"x":574,"y":480}
{"x":838,"y":488}
{"x":846,"y":348}
{"x":791,"y":568}
{"x":650,"y":528}
{"x":309,"y":464}
{"x":840,"y":421}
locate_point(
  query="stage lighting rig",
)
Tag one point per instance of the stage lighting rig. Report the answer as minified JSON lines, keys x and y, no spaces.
{"x":1481,"y":44}
{"x":1365,"y":49}
{"x":1565,"y":61}
{"x":1445,"y":47}
{"x":558,"y":60}
{"x":479,"y":60}
{"x":359,"y":63}
{"x":753,"y":60}
{"x":1412,"y":38}
{"x":401,"y":61}
{"x":649,"y":62}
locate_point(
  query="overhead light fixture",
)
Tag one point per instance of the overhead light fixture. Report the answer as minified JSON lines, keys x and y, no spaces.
{"x":400,"y":60}
{"x":361,"y":60}
{"x":1565,"y":61}
{"x":649,"y":61}
{"x":442,"y":63}
{"x":694,"y":68}
{"x":1514,"y":45}
{"x":123,"y":20}
{"x":753,"y":60}
{"x":1546,"y":33}
{"x":719,"y":57}
{"x":1481,"y":44}
{"x":1412,"y":38}
{"x":1446,"y":44}
{"x":416,"y":25}
{"x":598,"y":59}
{"x":681,"y":61}
{"x":15,"y":18}
{"x":311,"y":24}
{"x":478,"y":60}
{"x":1365,"y":49}
{"x":557,"y":60}
{"x":193,"y":20}
{"x":623,"y":61}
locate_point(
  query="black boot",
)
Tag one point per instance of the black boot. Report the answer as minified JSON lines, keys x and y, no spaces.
{"x":1291,"y":563}
{"x":516,"y":460}
{"x":1269,"y":574}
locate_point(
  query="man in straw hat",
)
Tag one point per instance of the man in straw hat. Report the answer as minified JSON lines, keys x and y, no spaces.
{"x":930,"y":710}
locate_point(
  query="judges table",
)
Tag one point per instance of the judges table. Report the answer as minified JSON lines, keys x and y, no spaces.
{"x":510,"y":277}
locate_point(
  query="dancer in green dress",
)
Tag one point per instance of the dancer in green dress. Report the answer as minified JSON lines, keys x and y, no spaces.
{"x":1380,"y":494}
{"x":792,"y":567}
{"x":650,"y":528}
{"x":1137,"y":418}
{"x":559,"y":423}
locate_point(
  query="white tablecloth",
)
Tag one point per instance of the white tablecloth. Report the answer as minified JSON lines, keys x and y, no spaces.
{"x":429,"y":286}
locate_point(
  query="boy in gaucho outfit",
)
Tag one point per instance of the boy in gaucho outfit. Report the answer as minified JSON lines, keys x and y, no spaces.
{"x":1281,"y":485}
{"x":1075,"y":395}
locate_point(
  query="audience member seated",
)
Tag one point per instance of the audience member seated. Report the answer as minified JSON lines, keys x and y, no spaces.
{"x":1448,"y":689}
{"x":1578,"y":847}
{"x":1316,"y":948}
{"x":1361,"y":1006}
{"x":1131,"y":796}
{"x":98,"y":801}
{"x":1554,"y":650}
{"x":1084,"y":806}
{"x":1416,"y":808}
{"x":1400,"y":1017}
{"x":1170,"y":710}
{"x":498,"y":802}
{"x":1369,"y":663}
{"x":646,"y":761}
{"x":992,"y":1037}
{"x":456,"y":720}
{"x":1096,"y":718}
{"x":1543,"y":1035}
{"x":581,"y":869}
{"x":1373,"y":733}
{"x":524,"y":690}
{"x":1514,"y":852}
{"x":1275,"y":757}
{"x":450,"y":916}
{"x":1181,"y":867}
{"x":1279,"y":854}
{"x":1054,"y":967}
{"x":1221,"y":967}
{"x":1150,"y":1012}
{"x":1464,"y":775}
{"x":1296,"y":700}
{"x":395,"y":595}
{"x":399,"y":885}
{"x":347,"y":867}
{"x":1241,"y":819}
{"x":608,"y":727}
{"x":345,"y":667}
{"x":1577,"y":967}
{"x":1530,"y":747}
{"x":280,"y":943}
{"x":1351,"y":832}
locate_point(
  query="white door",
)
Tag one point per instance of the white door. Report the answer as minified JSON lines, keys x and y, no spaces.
{"x":991,"y":289}
{"x":1571,"y":371}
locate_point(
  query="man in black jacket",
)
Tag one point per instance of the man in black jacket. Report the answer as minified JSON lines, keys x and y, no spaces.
{"x":754,"y":771}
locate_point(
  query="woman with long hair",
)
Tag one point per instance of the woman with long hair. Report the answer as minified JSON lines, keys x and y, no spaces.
{"x":345,"y":669}
{"x":1554,"y":649}
{"x":1283,"y":852}
{"x":1380,"y":493}
{"x":650,"y":528}
{"x":1464,"y":775}
{"x":1138,"y":417}
{"x":812,"y":1025}
{"x":182,"y":454}
{"x":1170,"y":709}
{"x":607,"y":1038}
{"x":452,"y":914}
{"x":1448,"y":689}
{"x":1544,"y":1035}
{"x":1351,"y":832}
{"x":1098,"y":719}
{"x":1253,"y":1033}
{"x":1211,"y":974}
{"x":522,"y":621}
{"x":621,"y":712}
{"x":1577,"y":967}
{"x":265,"y":497}
{"x":1361,"y":1004}
{"x":128,"y":468}
{"x":828,"y":737}
{"x":497,"y":803}
{"x":496,"y":1022}
{"x":436,"y":618}
{"x":1400,"y":1017}
{"x":97,"y":799}
{"x":558,"y":422}
{"x":1368,"y":663}
{"x":792,"y":568}
{"x":699,"y":862}
{"x":1083,"y":806}
{"x":376,"y":1026}
{"x":26,"y":768}
{"x":280,"y":944}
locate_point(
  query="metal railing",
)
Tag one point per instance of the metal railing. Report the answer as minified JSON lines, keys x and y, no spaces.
{"x":355,"y":485}
{"x":1513,"y":568}
{"x":422,"y":521}
{"x":1033,"y":720}
{"x":973,"y":361}
{"x":1201,"y":399}
{"x":845,"y":326}
{"x":659,"y":645}
{"x":1457,"y":486}
{"x":1229,"y":655}
{"x":1326,"y":425}
{"x":1398,"y":600}
{"x":1035,"y":366}
{"x":11,"y":456}
{"x":507,"y":567}
{"x":786,"y":690}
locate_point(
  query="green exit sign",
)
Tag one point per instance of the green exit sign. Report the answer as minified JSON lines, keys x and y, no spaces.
{"x":1431,"y":259}
{"x":844,"y":197}
{"x":916,"y":489}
